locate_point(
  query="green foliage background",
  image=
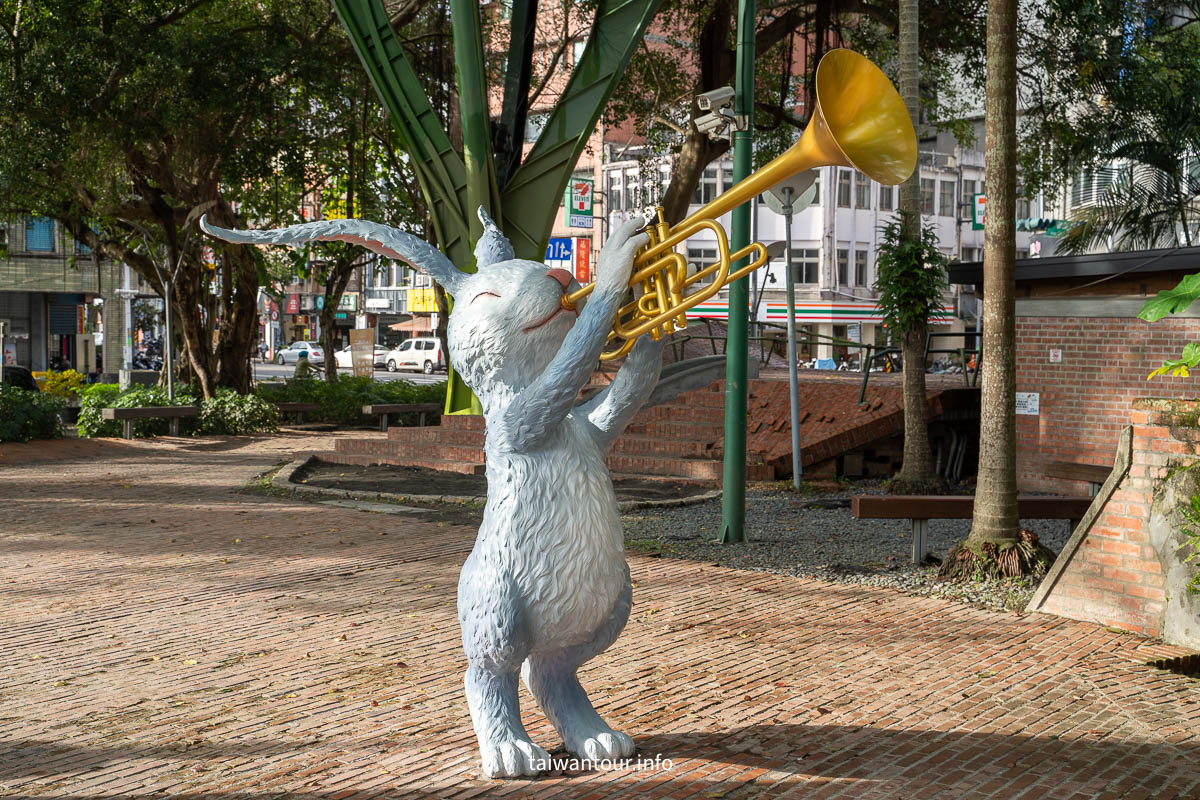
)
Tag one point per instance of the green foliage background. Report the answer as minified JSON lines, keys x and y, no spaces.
{"x":26,"y":415}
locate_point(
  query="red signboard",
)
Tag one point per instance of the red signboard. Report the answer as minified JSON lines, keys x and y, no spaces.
{"x":293,"y":304}
{"x":583,"y":260}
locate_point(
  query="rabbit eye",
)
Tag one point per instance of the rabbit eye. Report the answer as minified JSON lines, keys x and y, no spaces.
{"x":483,"y":294}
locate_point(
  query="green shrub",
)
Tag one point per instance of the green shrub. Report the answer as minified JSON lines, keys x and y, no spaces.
{"x":108,"y":395}
{"x":230,"y":413}
{"x":341,"y":402}
{"x":66,"y":384}
{"x":26,"y":415}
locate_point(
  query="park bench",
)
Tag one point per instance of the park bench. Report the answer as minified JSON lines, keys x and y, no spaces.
{"x":298,"y":409}
{"x":1094,"y":474}
{"x":922,"y":508}
{"x":383,"y":409}
{"x":126,"y":416}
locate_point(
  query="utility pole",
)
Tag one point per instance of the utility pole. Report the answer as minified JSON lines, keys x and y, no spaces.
{"x":793,"y":378}
{"x":733,"y":503}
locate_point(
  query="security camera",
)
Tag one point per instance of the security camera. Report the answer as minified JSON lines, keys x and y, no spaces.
{"x":716,"y":99}
{"x":716,"y":125}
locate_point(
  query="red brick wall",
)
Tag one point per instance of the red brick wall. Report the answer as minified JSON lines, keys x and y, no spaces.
{"x":1115,"y":576}
{"x":1085,"y":400}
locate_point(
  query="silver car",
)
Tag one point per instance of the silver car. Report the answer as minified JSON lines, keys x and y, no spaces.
{"x":291,"y":353}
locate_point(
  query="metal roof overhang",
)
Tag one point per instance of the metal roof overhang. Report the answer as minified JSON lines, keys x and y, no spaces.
{"x":1175,"y":259}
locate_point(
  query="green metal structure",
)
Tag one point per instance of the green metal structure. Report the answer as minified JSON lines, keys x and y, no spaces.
{"x":456,"y":183}
{"x":733,"y":502}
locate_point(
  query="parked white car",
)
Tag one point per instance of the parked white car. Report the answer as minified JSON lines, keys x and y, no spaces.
{"x":423,"y":353}
{"x":345,"y":360}
{"x":291,"y":353}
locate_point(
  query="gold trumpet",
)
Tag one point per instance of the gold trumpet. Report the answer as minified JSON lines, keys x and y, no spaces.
{"x":860,"y":122}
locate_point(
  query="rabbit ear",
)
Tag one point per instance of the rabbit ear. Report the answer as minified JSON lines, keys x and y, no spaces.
{"x":382,"y":239}
{"x":492,"y":247}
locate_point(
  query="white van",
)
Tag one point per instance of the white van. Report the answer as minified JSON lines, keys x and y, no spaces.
{"x":423,"y":353}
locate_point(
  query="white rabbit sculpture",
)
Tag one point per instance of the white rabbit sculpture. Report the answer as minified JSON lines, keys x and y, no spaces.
{"x":546,"y":587}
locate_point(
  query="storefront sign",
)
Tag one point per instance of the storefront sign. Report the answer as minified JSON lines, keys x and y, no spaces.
{"x":293,"y":304}
{"x":978,"y":207}
{"x":583,"y":260}
{"x":578,"y":202}
{"x":421,"y":301}
{"x":349,"y":302}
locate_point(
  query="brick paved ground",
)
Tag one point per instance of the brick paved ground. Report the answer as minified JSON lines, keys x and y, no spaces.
{"x":165,"y":635}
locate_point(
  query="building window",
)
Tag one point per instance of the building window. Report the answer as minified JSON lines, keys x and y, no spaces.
{"x":1022,"y":254}
{"x":946,"y":195}
{"x":631,"y":189}
{"x":968,"y":192}
{"x":887,"y":198}
{"x":577,"y":48}
{"x":843,"y":267}
{"x":707,"y":189}
{"x":971,"y":254}
{"x":805,"y":265}
{"x":862,"y":191}
{"x":843,"y":188}
{"x":860,"y":267}
{"x":39,"y":234}
{"x":699,"y":258}
{"x":614,"y":191}
{"x":927,"y":192}
{"x":1023,"y":208}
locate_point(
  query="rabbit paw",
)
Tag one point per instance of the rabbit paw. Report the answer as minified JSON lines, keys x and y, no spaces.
{"x":602,"y":744}
{"x":513,"y":758}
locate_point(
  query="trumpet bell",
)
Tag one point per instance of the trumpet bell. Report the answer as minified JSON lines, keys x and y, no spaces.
{"x":861,"y":117}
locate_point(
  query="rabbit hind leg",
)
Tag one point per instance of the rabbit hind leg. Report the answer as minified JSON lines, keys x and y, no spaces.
{"x":496,"y":642}
{"x":551,"y":678}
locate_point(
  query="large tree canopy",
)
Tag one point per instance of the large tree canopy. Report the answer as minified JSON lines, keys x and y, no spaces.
{"x":127,"y":121}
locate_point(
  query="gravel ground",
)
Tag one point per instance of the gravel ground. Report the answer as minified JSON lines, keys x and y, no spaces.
{"x":813,"y":535}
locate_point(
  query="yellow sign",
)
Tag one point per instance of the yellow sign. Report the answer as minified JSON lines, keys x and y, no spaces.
{"x":422,"y":301}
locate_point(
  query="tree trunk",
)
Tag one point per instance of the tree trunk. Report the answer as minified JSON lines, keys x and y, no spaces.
{"x":335,"y":287}
{"x":916,"y":470}
{"x":996,"y":543}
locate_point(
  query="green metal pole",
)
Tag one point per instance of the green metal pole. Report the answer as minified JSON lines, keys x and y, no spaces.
{"x":733,"y":502}
{"x":482,"y":188}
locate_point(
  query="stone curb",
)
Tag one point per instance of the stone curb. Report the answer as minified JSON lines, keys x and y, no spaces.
{"x":283,"y":480}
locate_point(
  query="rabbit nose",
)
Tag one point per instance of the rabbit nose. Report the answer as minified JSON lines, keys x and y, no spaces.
{"x":562,"y":276}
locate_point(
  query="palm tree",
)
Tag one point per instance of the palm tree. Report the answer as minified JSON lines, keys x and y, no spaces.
{"x":1151,"y":111}
{"x":1153,"y":201}
{"x":916,"y":470}
{"x":996,"y":544}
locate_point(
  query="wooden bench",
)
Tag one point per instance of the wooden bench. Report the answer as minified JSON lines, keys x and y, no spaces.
{"x":1093,"y":474}
{"x":922,"y":508}
{"x":127,"y":415}
{"x":298,"y":409}
{"x":383,"y":409}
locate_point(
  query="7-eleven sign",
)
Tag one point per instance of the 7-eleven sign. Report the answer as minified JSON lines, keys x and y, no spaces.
{"x":579,"y":203}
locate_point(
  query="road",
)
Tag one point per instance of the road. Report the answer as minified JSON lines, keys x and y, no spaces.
{"x":264,"y":372}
